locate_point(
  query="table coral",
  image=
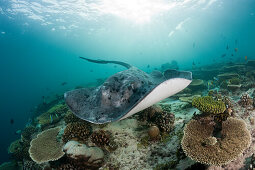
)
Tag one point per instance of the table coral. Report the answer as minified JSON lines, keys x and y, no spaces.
{"x":46,"y":147}
{"x":236,"y":138}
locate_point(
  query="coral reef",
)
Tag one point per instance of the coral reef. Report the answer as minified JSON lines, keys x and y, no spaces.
{"x":235,"y":81}
{"x":71,"y":118}
{"x":245,"y":100}
{"x":53,"y":115}
{"x":46,"y":146}
{"x":79,"y":131}
{"x":227,"y":76}
{"x":101,"y":138}
{"x":197,"y":84}
{"x":236,"y":139}
{"x":10,"y":166}
{"x":154,"y":115}
{"x":207,"y":104}
{"x":164,"y":121}
{"x":28,"y":132}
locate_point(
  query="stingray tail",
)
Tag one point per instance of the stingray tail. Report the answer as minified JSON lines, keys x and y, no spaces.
{"x":106,"y":62}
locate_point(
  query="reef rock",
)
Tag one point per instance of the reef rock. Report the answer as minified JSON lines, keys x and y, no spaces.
{"x":251,"y":63}
{"x":82,"y":155}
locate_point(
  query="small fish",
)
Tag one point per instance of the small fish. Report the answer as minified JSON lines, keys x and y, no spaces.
{"x":227,"y":47}
{"x":245,"y":58}
{"x":236,"y":49}
{"x":91,"y":71}
{"x":236,"y":41}
{"x":51,"y":119}
{"x":148,"y":66}
{"x":232,"y":55}
{"x":12,"y":121}
{"x":64,"y":83}
{"x":193,"y":63}
{"x":56,"y":115}
{"x":223,"y":55}
{"x":194,"y":44}
{"x":216,"y":78}
{"x":18,"y":132}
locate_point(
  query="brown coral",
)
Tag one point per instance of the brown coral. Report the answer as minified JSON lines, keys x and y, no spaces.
{"x":235,"y":139}
{"x":245,"y":100}
{"x":153,"y":132}
{"x":164,"y":120}
{"x":77,"y":130}
{"x":101,"y":138}
{"x":46,"y":147}
{"x":71,"y":118}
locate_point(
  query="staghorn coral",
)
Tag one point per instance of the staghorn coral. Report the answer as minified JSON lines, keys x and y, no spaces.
{"x":46,"y":147}
{"x":207,"y":104}
{"x":245,"y":100}
{"x":101,"y":138}
{"x":77,"y":130}
{"x":236,"y":138}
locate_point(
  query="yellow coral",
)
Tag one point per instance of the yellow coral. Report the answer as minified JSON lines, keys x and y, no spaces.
{"x":207,"y":104}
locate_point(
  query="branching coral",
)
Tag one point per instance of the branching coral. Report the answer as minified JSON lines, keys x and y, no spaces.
{"x":207,"y":104}
{"x":77,"y":130}
{"x":46,"y":147}
{"x":164,"y":120}
{"x":156,"y":116}
{"x":245,"y":100}
{"x":101,"y":137}
{"x":235,"y":139}
{"x":71,"y":118}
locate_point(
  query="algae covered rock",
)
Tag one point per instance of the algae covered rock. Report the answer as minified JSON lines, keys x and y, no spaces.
{"x":53,"y":115}
{"x":207,"y":104}
{"x":83,"y":156}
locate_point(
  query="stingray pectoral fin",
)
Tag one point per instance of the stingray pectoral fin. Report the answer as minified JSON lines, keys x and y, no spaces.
{"x":160,"y":92}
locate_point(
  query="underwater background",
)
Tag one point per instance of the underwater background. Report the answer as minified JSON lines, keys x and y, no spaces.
{"x":41,"y":41}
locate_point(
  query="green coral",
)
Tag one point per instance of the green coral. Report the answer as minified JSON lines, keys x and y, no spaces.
{"x":53,"y":115}
{"x":207,"y":104}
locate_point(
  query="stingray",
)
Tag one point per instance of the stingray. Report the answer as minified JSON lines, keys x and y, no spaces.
{"x":125,"y":93}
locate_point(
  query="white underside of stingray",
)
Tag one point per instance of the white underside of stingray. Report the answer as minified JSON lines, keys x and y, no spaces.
{"x":162,"y":91}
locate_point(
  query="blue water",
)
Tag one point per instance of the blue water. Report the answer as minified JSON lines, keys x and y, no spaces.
{"x":40,"y":43}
